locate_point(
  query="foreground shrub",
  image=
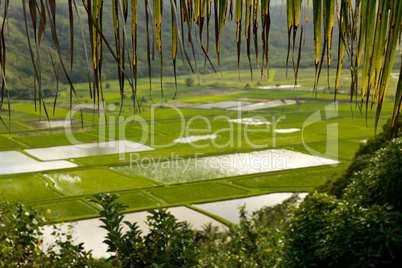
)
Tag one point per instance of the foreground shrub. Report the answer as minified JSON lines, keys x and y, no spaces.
{"x":169,"y":242}
{"x":381,"y":181}
{"x":20,"y":244}
{"x":254,"y":242}
{"x":361,"y":160}
{"x":364,"y":229}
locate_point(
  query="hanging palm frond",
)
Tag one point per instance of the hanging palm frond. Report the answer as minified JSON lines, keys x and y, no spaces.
{"x":368,"y":32}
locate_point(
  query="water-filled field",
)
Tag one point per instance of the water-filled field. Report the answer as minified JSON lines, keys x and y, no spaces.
{"x":230,"y":165}
{"x":14,"y":162}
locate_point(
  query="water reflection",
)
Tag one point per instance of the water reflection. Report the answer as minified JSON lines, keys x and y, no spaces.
{"x":13,"y":162}
{"x":213,"y":167}
{"x":195,"y":138}
{"x":229,"y":209}
{"x":52,"y":123}
{"x":250,"y":121}
{"x":287,"y":130}
{"x":65,"y":181}
{"x":88,"y":149}
{"x":263,"y":105}
{"x":223,"y":104}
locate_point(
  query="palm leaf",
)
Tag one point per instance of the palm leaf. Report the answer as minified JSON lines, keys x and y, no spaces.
{"x":158,"y":34}
{"x":255,"y":28}
{"x":238,"y":17}
{"x":343,"y":20}
{"x":248,"y":32}
{"x":395,"y":20}
{"x":174,"y":43}
{"x":368,"y":32}
{"x":134,"y":13}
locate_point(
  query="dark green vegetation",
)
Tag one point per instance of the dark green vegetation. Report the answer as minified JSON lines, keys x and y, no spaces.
{"x":19,"y":71}
{"x":362,"y":228}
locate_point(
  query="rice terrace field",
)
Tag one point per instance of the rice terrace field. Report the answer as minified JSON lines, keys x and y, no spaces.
{"x":190,"y":143}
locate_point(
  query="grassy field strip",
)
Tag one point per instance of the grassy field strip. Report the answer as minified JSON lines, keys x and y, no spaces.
{"x":148,"y":180}
{"x":10,"y":143}
{"x":203,"y":191}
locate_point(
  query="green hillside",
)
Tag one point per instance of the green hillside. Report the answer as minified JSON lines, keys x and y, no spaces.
{"x":20,"y":73}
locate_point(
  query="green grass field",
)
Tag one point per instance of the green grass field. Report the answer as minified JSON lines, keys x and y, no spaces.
{"x":67,"y":192}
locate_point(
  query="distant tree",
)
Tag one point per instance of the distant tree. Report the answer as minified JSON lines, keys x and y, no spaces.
{"x":47,"y":92}
{"x":189,"y":82}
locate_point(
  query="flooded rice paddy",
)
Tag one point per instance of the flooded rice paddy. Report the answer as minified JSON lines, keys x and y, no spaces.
{"x":287,"y":130}
{"x":214,"y":167}
{"x":229,"y":209}
{"x":281,"y":87}
{"x":14,"y":162}
{"x":250,"y":121}
{"x":87,"y":149}
{"x":51,"y":123}
{"x":223,"y":105}
{"x":195,"y":138}
{"x":262,"y":105}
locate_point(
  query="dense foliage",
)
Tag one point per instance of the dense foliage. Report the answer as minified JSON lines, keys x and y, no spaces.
{"x":168,"y":243}
{"x":21,"y":245}
{"x":361,"y":160}
{"x":254,"y":242}
{"x":362,"y":229}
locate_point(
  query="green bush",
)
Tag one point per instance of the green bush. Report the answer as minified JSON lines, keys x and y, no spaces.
{"x":361,"y":160}
{"x":168,"y":243}
{"x":304,"y":234}
{"x":363,"y":229}
{"x":255,"y":242}
{"x":20,"y":242}
{"x":189,"y":81}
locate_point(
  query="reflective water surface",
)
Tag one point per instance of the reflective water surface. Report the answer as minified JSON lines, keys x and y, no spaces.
{"x":87,"y":149}
{"x":229,"y":209}
{"x":250,"y":121}
{"x":286,"y":130}
{"x":52,"y":123}
{"x":212,"y":167}
{"x":195,"y":138}
{"x":263,"y":105}
{"x":13,"y":162}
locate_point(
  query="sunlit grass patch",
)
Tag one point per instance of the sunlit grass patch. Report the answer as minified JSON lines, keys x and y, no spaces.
{"x":136,"y":200}
{"x":9,"y":144}
{"x":346,"y":148}
{"x":194,"y":192}
{"x":57,"y":139}
{"x":29,"y":108}
{"x":65,"y":209}
{"x":293,"y":179}
{"x":11,"y":127}
{"x":91,"y":181}
{"x":25,"y":189}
